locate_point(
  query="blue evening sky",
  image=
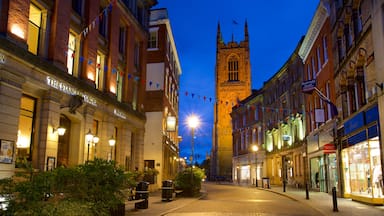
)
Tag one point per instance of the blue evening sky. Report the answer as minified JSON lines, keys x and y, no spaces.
{"x":275,"y":28}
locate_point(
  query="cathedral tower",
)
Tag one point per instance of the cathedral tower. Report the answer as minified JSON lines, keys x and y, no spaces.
{"x":233,"y":83}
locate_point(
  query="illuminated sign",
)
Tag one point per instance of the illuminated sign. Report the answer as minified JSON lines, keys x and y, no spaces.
{"x":119,"y":114}
{"x":63,"y":87}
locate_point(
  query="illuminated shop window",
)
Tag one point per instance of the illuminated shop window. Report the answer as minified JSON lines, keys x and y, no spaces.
{"x":34,"y":29}
{"x":362,"y":169}
{"x":25,"y":130}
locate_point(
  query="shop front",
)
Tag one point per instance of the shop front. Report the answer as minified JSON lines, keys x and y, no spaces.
{"x":361,"y":158}
{"x":322,"y":156}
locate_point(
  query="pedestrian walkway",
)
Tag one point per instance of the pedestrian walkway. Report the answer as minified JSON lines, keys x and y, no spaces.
{"x":320,"y":201}
{"x":324,"y":204}
{"x":156,"y":206}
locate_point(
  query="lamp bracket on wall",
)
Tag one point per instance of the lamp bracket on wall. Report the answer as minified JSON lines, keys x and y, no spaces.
{"x":381,"y":86}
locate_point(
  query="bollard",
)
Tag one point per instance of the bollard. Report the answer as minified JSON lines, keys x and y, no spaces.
{"x":334,"y":198}
{"x":284,"y":184}
{"x":306,"y":191}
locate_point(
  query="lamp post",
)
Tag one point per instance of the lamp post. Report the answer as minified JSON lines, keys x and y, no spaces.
{"x":193,"y":122}
{"x":112,"y":143}
{"x":95,"y":140}
{"x":88,"y":138}
{"x":255,"y":148}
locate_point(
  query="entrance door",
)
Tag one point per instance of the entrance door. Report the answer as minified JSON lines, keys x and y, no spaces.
{"x":63,"y":145}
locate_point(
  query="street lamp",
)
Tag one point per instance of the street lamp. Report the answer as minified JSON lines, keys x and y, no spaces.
{"x":112,"y":143}
{"x":193,"y":122}
{"x":95,"y":140}
{"x":88,"y":138}
{"x":255,"y":148}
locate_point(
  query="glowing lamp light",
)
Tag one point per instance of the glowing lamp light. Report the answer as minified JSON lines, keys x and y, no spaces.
{"x":112,"y":89}
{"x":91,"y":76}
{"x":193,"y":121}
{"x":61,"y":131}
{"x":255,"y":148}
{"x":16,"y":30}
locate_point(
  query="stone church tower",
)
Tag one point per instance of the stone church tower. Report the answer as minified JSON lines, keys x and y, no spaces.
{"x":233,"y":83}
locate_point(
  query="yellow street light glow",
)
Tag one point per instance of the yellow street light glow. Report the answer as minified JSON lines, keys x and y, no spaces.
{"x":193,"y":121}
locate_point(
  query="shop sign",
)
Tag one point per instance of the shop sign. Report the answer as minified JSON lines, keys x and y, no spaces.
{"x":119,"y":114}
{"x":354,"y":123}
{"x":63,"y":87}
{"x":308,"y":86}
{"x":329,"y":148}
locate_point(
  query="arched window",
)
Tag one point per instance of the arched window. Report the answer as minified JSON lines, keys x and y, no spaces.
{"x":233,"y":69}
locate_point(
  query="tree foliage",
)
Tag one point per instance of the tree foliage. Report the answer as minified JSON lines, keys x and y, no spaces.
{"x":93,"y":188}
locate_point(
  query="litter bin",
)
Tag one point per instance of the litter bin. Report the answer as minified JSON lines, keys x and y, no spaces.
{"x":142,"y":193}
{"x":266,"y":183}
{"x":167,"y":190}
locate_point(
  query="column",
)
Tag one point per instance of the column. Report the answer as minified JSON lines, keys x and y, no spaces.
{"x":10,"y":94}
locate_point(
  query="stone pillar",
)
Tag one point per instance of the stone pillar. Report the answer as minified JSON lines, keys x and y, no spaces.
{"x":138,"y":149}
{"x":89,"y":112}
{"x":124,"y":148}
{"x":46,"y":146}
{"x":10,"y":95}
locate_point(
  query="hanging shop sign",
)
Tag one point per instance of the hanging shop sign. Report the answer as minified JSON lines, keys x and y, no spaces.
{"x":329,"y":148}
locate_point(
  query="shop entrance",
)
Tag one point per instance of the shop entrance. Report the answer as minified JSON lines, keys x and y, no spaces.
{"x":63,"y":145}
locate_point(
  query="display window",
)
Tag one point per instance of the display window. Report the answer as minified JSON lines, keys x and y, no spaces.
{"x":25,"y":130}
{"x":362,"y":169}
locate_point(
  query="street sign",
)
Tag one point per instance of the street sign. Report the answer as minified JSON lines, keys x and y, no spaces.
{"x":308,"y":86}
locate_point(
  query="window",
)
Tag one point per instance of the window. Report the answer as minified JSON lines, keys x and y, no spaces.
{"x":313,"y":68}
{"x":34,"y":29}
{"x":103,"y":23}
{"x":24,"y":141}
{"x":77,"y":6}
{"x":347,"y":36}
{"x":122,"y":40}
{"x":135,"y":95}
{"x":308,"y":72}
{"x":318,"y":59}
{"x":119,"y":85}
{"x":136,"y":56}
{"x":328,"y":94}
{"x":340,"y":48}
{"x":325,"y":49}
{"x":100,"y":65}
{"x":71,"y":53}
{"x":233,"y":69}
{"x":357,"y":22}
{"x":153,"y":39}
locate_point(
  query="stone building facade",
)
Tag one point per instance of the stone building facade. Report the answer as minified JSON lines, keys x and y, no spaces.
{"x":78,"y":65}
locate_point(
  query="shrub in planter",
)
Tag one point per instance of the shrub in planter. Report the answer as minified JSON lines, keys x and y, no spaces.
{"x":89,"y":189}
{"x":189,"y":180}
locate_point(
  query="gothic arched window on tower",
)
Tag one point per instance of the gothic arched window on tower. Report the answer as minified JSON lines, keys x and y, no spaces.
{"x":233,"y":69}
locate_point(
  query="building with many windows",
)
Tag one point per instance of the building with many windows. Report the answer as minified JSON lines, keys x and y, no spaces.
{"x":248,"y":140}
{"x":320,"y":109}
{"x":78,"y":65}
{"x":358,"y":133}
{"x":162,"y":99}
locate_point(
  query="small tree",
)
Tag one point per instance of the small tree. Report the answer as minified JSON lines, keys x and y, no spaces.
{"x":189,"y":180}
